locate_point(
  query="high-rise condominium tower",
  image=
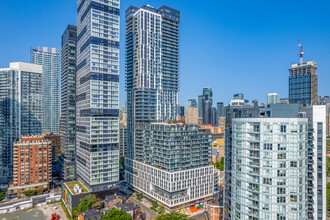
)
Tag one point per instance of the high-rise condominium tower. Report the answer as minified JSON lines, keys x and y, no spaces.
{"x":165,"y":160}
{"x":220,"y":109}
{"x":152,"y":66}
{"x":49,"y":58}
{"x":97,"y":94}
{"x":21,"y":96}
{"x":303,"y":83}
{"x":66,"y":161}
{"x":269,"y":168}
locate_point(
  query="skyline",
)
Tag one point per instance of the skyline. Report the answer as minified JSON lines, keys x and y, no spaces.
{"x":244,"y":45}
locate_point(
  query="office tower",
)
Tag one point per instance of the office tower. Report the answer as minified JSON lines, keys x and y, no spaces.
{"x":181,"y":110}
{"x":191,"y":116}
{"x":239,"y":96}
{"x":269,"y":168}
{"x":169,"y":167}
{"x":207,"y":112}
{"x":152,"y":66}
{"x":207,"y":94}
{"x":32,"y":165}
{"x":67,"y":162}
{"x":200,"y":106}
{"x":20,"y":109}
{"x":214,"y":117}
{"x":122,"y":140}
{"x":234,"y":110}
{"x":192,"y":103}
{"x":220,"y":109}
{"x":49,"y":58}
{"x":316,"y":190}
{"x":273,"y":98}
{"x":303,"y":83}
{"x":97,"y":94}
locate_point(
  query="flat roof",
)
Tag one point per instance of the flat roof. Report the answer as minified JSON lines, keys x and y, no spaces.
{"x":70,"y":186}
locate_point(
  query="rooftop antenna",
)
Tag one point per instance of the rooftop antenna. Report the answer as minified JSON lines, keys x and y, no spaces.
{"x":301,"y":52}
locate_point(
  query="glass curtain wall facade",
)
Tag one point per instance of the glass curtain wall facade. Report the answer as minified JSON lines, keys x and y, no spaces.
{"x":152,"y":66}
{"x":269,"y":180}
{"x":49,"y":58}
{"x":21,"y":111}
{"x":97,"y":94}
{"x":303,"y":83}
{"x":66,"y":161}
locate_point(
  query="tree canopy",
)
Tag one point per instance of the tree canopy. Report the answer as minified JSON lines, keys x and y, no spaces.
{"x":116,"y":214}
{"x":172,"y":216}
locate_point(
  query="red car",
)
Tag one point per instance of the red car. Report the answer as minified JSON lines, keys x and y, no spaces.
{"x":54,"y":216}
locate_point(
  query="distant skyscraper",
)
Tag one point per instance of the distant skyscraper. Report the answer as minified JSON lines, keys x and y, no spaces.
{"x":214,"y":117}
{"x":49,"y":58}
{"x":97,"y":94}
{"x":200,"y":106}
{"x":303,"y":83}
{"x":208,"y":94}
{"x":192,"y":103}
{"x":181,"y":110}
{"x":21,"y":95}
{"x":220,"y":109}
{"x":67,"y":160}
{"x":239,"y":96}
{"x":152,"y":66}
{"x":273,"y":98}
{"x":207,"y":112}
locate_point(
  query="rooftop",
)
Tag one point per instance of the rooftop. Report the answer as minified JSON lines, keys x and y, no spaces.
{"x":126,"y":206}
{"x":70,"y":186}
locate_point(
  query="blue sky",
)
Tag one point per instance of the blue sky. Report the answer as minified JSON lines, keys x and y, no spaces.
{"x":231,"y":46}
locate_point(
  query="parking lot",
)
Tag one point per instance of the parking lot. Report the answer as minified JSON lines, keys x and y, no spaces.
{"x":38,"y":213}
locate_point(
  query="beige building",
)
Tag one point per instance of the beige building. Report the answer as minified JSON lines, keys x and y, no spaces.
{"x":191,"y":116}
{"x":222,"y":121}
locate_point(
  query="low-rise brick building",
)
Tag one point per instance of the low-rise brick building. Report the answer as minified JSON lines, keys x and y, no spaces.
{"x":32,"y":165}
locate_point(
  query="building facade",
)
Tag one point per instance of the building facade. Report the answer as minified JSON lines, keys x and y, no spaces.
{"x":32,"y":165}
{"x":21,"y":111}
{"x":316,"y":161}
{"x":269,"y":179}
{"x":303,"y":83}
{"x":49,"y":58}
{"x":152,"y":66}
{"x":173,"y":161}
{"x":191,"y":116}
{"x":97,"y":94}
{"x":67,"y":159}
{"x":55,"y":145}
{"x":123,"y":140}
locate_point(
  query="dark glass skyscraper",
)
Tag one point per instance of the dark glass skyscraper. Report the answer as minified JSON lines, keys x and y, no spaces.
{"x":66,"y":161}
{"x":220,"y":109}
{"x":303,"y":83}
{"x":97,"y":94}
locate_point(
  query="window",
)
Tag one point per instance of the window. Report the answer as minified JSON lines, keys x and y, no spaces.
{"x":283,"y":128}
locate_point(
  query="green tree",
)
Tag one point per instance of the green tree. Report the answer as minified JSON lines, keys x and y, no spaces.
{"x":220,"y":164}
{"x":328,"y":196}
{"x":139,"y":196}
{"x":30,"y":192}
{"x":161,"y":209}
{"x":122,"y":162}
{"x":86,"y":203}
{"x":173,"y":216}
{"x":2,"y":196}
{"x":115,"y":214}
